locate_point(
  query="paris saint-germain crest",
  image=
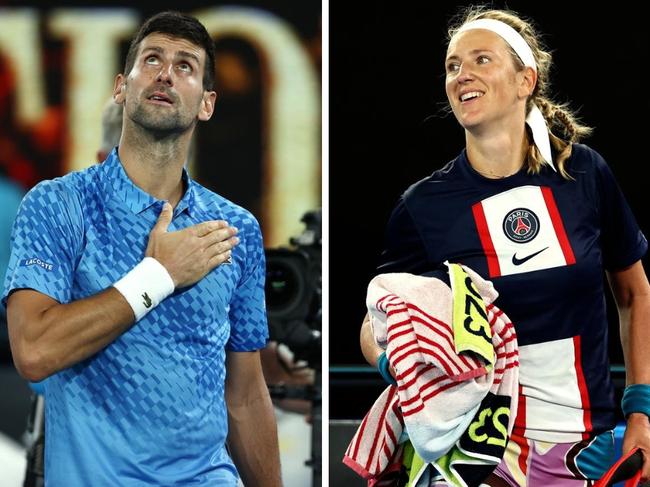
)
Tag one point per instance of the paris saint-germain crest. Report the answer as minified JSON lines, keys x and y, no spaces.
{"x":521,"y":225}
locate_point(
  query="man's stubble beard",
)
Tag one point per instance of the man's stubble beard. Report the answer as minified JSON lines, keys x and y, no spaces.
{"x":160,"y":123}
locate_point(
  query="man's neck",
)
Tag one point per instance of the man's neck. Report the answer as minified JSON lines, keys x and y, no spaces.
{"x":154,"y":164}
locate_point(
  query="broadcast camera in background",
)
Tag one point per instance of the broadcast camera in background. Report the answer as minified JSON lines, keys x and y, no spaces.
{"x":294,"y":308}
{"x":293,"y":292}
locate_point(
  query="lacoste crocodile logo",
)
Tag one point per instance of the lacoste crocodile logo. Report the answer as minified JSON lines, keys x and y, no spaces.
{"x":147,"y":301}
{"x":523,"y":260}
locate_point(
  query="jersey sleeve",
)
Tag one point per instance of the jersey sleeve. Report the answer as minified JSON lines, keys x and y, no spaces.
{"x":623,"y":242}
{"x":404,"y":250}
{"x":249,"y":329}
{"x":45,"y":240}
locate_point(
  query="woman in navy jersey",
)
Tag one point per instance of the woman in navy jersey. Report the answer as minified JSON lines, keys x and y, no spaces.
{"x":542,"y":217}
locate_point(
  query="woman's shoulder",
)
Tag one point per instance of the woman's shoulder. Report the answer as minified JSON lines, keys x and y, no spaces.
{"x":585,"y":159}
{"x":435,"y":182}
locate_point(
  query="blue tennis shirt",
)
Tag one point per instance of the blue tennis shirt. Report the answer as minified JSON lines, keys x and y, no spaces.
{"x":149,"y":409}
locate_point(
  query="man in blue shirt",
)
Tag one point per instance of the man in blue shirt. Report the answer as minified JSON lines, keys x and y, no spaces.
{"x":140,"y":295}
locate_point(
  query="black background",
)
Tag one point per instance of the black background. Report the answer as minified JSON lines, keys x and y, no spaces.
{"x":388,"y":129}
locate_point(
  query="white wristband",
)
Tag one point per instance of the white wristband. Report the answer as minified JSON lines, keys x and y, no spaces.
{"x":145,"y":286}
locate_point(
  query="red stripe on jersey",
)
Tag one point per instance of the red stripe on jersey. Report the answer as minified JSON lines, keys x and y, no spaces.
{"x":486,"y":240}
{"x":582,"y":386}
{"x":522,"y":460}
{"x":520,"y":420}
{"x":554,"y":213}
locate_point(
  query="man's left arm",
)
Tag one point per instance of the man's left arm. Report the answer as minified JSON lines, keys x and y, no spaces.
{"x":252,"y":436}
{"x":632,"y":294}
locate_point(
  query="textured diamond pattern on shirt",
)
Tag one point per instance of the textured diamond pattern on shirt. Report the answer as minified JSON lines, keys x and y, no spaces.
{"x":150,"y":406}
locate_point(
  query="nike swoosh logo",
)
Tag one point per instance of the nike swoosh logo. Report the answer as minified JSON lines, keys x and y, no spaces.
{"x":517,"y":261}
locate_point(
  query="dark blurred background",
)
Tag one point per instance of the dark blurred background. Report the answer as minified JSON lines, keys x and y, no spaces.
{"x":388,"y":129}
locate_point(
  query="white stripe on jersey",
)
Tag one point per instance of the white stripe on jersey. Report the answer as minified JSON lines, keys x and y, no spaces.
{"x":551,"y":389}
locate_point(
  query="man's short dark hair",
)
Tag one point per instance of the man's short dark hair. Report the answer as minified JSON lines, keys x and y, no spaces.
{"x":181,"y":26}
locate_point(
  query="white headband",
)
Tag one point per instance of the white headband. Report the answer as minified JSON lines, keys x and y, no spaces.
{"x":535,"y":120}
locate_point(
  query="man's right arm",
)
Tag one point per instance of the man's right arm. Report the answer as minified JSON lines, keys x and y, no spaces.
{"x":47,"y":336}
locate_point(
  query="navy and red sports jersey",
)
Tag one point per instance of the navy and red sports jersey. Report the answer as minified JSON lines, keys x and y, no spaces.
{"x":544,"y":241}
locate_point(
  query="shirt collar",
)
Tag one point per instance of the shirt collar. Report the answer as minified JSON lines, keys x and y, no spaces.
{"x":118,"y":185}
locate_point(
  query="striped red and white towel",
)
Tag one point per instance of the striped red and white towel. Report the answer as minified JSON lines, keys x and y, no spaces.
{"x":438,"y":390}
